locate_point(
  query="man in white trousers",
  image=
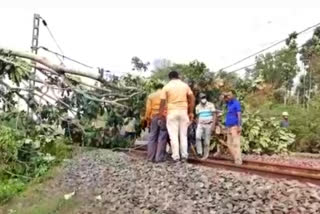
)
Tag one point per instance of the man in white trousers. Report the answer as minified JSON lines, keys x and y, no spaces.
{"x":180,"y":104}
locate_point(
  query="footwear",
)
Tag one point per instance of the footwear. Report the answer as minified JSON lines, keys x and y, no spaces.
{"x":173,"y":161}
{"x":217,"y":154}
{"x":184,"y":160}
{"x":238,"y":162}
{"x":159,"y":161}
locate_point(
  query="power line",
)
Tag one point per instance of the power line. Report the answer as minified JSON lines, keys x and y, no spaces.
{"x":65,"y":57}
{"x":51,"y":34}
{"x":253,"y":64}
{"x":267,"y":48}
{"x":61,"y":54}
{"x":239,"y":69}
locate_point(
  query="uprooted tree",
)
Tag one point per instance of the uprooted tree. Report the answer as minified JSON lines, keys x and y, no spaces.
{"x":77,"y":100}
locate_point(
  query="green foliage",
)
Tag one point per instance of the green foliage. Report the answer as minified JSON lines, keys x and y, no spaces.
{"x":311,"y":47}
{"x":278,"y":68}
{"x":58,"y":148}
{"x":9,"y":188}
{"x":23,"y":159}
{"x":138,"y":64}
{"x":191,"y":72}
{"x":304,"y":123}
{"x":14,"y":68}
{"x":262,"y":135}
{"x":9,"y":144}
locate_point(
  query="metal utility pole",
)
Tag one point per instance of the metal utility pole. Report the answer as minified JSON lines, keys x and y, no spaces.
{"x":34,"y":50}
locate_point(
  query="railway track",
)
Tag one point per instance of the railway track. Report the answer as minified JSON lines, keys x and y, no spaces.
{"x":267,"y":169}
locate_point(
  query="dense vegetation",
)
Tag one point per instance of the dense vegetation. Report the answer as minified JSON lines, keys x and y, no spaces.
{"x":65,"y":110}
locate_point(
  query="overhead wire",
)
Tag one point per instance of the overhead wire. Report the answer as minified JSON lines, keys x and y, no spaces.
{"x":51,"y":34}
{"x":61,"y":54}
{"x":253,"y":64}
{"x":66,"y":57}
{"x":269,"y":47}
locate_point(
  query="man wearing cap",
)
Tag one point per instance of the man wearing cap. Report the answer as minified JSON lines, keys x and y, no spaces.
{"x":233,"y":124}
{"x":180,"y":105}
{"x":205,"y":111}
{"x":285,"y":122}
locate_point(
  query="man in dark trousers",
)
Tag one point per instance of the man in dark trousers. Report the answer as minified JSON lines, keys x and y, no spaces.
{"x":158,"y":136}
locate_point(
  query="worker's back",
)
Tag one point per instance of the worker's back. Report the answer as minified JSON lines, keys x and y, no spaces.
{"x":155,"y":100}
{"x":176,"y":92}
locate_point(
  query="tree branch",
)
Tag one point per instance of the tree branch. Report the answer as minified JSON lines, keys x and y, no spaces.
{"x":61,"y":69}
{"x":44,"y":61}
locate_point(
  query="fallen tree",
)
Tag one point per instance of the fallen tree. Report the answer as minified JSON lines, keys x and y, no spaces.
{"x":76,"y":96}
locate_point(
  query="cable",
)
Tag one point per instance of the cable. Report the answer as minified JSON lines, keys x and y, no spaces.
{"x":267,"y":48}
{"x":51,"y":34}
{"x":250,"y":65}
{"x":247,"y":66}
{"x":44,"y":22}
{"x":65,"y":57}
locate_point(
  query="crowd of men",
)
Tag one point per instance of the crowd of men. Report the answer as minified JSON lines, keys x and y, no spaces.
{"x":169,"y":113}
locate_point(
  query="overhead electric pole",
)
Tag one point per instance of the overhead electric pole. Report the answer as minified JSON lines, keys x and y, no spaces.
{"x":34,"y":50}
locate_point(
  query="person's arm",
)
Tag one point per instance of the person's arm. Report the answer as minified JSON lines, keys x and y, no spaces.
{"x":148,"y":109}
{"x":214,"y":119}
{"x":191,"y":103}
{"x":239,"y":117}
{"x":163,"y":101}
{"x":197,"y":111}
{"x":162,"y":107}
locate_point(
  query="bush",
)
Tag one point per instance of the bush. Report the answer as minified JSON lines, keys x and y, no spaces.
{"x":304,"y":123}
{"x":9,"y":188}
{"x":261,"y":135}
{"x":23,"y":159}
{"x":9,"y":149}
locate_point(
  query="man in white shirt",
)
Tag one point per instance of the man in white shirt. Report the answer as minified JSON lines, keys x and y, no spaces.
{"x":205,"y":112}
{"x":180,"y":103}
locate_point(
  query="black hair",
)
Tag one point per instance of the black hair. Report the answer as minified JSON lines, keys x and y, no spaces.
{"x":158,"y":86}
{"x":173,"y":75}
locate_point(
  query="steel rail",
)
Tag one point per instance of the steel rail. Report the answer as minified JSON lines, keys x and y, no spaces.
{"x":266,"y":169}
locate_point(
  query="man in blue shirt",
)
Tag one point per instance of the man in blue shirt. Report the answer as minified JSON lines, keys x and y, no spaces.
{"x":233,"y":125}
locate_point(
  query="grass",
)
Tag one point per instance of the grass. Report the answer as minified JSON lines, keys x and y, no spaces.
{"x":42,"y":196}
{"x":52,"y":205}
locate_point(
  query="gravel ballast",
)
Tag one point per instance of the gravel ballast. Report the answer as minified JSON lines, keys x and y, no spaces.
{"x":113,"y":182}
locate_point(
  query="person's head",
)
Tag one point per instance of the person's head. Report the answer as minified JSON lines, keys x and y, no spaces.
{"x":130,"y":113}
{"x":285,"y":115}
{"x":228,"y":96}
{"x":221,"y":97}
{"x":203,"y":98}
{"x":173,"y":75}
{"x":158,"y":86}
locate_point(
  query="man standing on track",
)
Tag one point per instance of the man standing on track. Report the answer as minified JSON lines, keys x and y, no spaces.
{"x":158,"y":135}
{"x":180,"y":103}
{"x":205,"y":111}
{"x":233,"y":124}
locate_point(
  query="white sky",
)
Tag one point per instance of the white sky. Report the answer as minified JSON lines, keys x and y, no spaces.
{"x":109,"y":33}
